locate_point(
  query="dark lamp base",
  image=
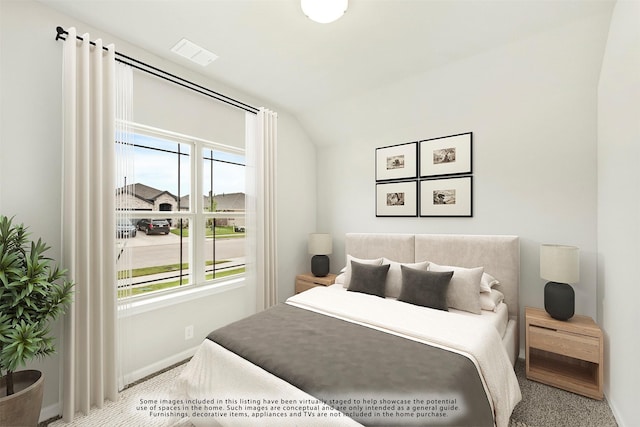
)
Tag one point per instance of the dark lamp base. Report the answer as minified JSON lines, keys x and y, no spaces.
{"x":320,"y":265}
{"x":559,"y":300}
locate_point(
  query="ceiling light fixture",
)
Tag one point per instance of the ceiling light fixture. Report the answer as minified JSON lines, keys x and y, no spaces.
{"x":324,"y":11}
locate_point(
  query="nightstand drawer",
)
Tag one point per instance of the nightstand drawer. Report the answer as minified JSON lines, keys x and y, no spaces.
{"x":303,"y":285}
{"x":307,"y":281}
{"x":572,"y":345}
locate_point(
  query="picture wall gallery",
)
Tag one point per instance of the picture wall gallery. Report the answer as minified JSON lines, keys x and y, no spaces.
{"x":429,"y":178}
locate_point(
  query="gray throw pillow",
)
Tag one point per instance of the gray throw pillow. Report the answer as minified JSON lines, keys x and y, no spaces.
{"x":368,"y":279}
{"x":425,"y":288}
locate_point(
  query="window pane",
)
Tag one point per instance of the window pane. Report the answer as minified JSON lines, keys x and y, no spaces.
{"x":157,"y":255}
{"x":223,"y":182}
{"x":162,"y":175}
{"x":223,"y":185}
{"x":224,"y":248}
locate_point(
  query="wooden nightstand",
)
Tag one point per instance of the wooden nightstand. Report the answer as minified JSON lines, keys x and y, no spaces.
{"x":308,"y":281}
{"x":567,"y":355}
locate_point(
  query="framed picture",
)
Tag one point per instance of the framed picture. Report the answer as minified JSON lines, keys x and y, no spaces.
{"x":446,"y":197}
{"x":397,"y":162}
{"x":449,"y":155}
{"x":397,"y":199}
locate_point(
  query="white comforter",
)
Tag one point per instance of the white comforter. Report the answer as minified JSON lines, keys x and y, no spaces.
{"x":477,"y":340}
{"x":216,"y":372}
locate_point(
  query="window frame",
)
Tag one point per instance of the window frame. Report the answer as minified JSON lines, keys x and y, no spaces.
{"x":197,"y":218}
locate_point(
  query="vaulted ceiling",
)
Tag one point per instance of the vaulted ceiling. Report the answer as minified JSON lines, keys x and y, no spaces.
{"x":269,"y":49}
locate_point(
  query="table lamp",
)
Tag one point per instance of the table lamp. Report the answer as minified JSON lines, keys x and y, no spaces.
{"x":560,"y":265}
{"x":320,"y":246}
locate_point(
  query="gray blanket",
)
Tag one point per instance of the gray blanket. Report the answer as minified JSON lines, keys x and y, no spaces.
{"x":374,"y":377}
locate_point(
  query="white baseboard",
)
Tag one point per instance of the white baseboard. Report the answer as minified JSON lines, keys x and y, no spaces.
{"x":53,"y":411}
{"x":616,"y":414}
{"x":49,"y":412}
{"x":159,"y":366}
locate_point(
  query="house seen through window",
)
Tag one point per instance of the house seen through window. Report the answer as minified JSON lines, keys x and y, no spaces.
{"x":166,"y":237}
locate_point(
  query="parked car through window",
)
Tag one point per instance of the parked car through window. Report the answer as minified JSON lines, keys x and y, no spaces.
{"x":154,"y":226}
{"x":124,"y":228}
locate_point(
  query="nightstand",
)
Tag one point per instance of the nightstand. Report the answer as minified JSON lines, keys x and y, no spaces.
{"x":564,"y":354}
{"x":308,"y":281}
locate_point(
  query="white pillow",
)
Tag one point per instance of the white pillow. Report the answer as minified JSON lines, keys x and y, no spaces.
{"x":339,"y":279}
{"x":487,"y":282}
{"x":489,"y":300}
{"x":347,"y":271}
{"x":394,"y":275}
{"x":464,"y":289}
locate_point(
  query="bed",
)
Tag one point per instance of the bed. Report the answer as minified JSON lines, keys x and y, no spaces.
{"x":347,"y":356}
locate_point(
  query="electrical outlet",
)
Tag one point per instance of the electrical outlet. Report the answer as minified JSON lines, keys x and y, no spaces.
{"x":188,"y":332}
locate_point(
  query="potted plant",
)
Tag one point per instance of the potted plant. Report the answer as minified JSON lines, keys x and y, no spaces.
{"x":33,"y":292}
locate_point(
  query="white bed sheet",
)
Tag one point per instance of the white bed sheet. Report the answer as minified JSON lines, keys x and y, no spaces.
{"x":216,"y":372}
{"x":479,"y":341}
{"x":497,"y":319}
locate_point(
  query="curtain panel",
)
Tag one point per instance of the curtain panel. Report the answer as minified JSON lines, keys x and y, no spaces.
{"x":88,"y":212}
{"x":262,"y":142}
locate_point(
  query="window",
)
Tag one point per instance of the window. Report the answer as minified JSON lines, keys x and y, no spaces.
{"x":168,"y":239}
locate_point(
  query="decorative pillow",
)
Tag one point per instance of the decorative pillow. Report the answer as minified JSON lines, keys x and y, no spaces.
{"x":394,"y":277}
{"x":347,"y":271}
{"x":464,"y":289}
{"x":489,"y":300}
{"x":487,"y":282}
{"x":368,"y":279}
{"x":425,"y":288}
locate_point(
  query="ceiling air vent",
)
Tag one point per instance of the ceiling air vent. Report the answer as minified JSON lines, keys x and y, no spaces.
{"x":194,"y":52}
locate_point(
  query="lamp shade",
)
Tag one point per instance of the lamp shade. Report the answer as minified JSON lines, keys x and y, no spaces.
{"x":560,"y":263}
{"x":320,"y":244}
{"x":324,"y":11}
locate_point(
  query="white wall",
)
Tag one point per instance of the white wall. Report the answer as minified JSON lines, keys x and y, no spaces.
{"x":30,"y":130}
{"x":30,"y":178}
{"x":296,"y":207}
{"x":165,"y":105}
{"x":619,"y":210}
{"x":531,"y":106}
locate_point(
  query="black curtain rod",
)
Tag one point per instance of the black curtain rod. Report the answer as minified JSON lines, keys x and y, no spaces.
{"x":62,"y":33}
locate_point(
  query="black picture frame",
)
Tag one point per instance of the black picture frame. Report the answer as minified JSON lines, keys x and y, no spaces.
{"x":395,"y":162}
{"x":397,"y":199}
{"x":446,"y":156}
{"x":446,"y":197}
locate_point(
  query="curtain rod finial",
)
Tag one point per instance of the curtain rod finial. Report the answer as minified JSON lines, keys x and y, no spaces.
{"x":60,"y":31}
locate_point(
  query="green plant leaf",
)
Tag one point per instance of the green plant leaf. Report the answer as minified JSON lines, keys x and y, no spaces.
{"x":33,"y":292}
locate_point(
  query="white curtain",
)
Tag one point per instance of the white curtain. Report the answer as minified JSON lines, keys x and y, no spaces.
{"x":261,"y":149}
{"x":125,"y":178}
{"x":88,"y":212}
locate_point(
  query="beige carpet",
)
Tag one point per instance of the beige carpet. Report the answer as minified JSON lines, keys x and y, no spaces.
{"x":542,"y":406}
{"x":124,"y":413}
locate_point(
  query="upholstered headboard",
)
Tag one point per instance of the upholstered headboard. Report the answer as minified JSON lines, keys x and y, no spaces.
{"x":499,"y":255}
